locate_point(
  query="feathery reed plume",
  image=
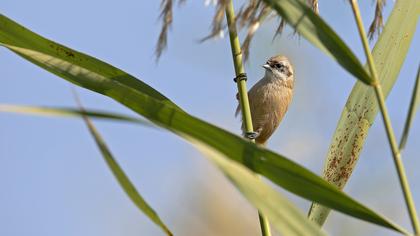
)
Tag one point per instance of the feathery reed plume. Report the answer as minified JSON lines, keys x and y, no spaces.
{"x":250,"y":17}
{"x":280,"y":28}
{"x":377,"y":23}
{"x":217,"y":24}
{"x":252,"y":28}
{"x":247,"y":13}
{"x":166,"y":16}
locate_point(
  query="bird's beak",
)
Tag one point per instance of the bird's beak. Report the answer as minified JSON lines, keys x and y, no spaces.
{"x":266,"y":66}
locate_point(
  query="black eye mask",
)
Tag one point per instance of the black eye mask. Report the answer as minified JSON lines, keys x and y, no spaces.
{"x":279,"y":66}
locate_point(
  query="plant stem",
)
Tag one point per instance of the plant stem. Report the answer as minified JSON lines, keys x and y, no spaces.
{"x":390,"y":132}
{"x":239,"y":68}
{"x":398,"y":161}
{"x":242,"y":90}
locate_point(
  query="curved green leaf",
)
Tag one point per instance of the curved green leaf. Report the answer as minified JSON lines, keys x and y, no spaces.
{"x":75,"y":62}
{"x":287,"y":219}
{"x":319,"y":33}
{"x":361,"y":108}
{"x":71,"y":112}
{"x":122,"y":178}
{"x":164,"y":113}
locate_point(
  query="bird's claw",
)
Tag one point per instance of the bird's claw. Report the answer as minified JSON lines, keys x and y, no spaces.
{"x":251,"y":135}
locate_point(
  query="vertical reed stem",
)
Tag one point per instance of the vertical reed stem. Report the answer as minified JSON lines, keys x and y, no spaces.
{"x":239,"y":68}
{"x":242,"y":90}
{"x":387,"y":121}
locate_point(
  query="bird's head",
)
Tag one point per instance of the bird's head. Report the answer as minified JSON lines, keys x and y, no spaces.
{"x":278,"y":67}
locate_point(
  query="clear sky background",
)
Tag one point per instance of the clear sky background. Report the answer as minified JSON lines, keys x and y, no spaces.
{"x":53,"y":180}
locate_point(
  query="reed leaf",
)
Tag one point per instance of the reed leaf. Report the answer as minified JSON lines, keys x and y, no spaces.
{"x":361,"y":108}
{"x":100,"y":77}
{"x":120,"y":175}
{"x":71,"y":112}
{"x":287,"y":218}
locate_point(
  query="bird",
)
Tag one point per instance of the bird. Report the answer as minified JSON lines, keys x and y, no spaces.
{"x":269,"y":98}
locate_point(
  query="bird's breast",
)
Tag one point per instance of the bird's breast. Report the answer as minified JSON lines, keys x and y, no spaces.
{"x":269,"y":103}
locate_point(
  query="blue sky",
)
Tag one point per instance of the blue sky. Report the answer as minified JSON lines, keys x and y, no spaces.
{"x":53,"y":180}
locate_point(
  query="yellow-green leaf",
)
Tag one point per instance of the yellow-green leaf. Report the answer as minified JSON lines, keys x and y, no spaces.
{"x":361,"y":107}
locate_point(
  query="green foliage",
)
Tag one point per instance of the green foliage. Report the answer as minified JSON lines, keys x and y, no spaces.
{"x":71,"y":112}
{"x":100,"y":77}
{"x":241,"y":160}
{"x":122,"y":179}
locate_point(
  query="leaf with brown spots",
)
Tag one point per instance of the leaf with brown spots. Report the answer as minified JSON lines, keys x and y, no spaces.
{"x":361,"y":107}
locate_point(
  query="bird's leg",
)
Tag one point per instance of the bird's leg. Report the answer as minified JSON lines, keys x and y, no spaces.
{"x":253,"y":135}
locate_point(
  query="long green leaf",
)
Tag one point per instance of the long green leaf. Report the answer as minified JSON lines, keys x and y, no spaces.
{"x":361,"y":108}
{"x":414,"y":103}
{"x":70,"y":65}
{"x":319,"y":33}
{"x":122,"y":178}
{"x":288,"y":219}
{"x":71,"y":112}
{"x":283,"y":214}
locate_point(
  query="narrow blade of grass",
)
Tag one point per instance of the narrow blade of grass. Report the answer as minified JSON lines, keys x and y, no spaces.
{"x":122,"y":178}
{"x":91,"y":73}
{"x":71,"y":112}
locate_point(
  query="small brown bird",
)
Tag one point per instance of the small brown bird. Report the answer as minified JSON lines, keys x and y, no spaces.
{"x":270,"y":97}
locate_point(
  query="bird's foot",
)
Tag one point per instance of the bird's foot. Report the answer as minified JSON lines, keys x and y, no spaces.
{"x":251,"y":135}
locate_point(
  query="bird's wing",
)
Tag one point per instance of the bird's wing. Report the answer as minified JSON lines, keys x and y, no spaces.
{"x":238,"y":108}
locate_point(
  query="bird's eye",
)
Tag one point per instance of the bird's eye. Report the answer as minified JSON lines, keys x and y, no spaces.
{"x":278,"y":66}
